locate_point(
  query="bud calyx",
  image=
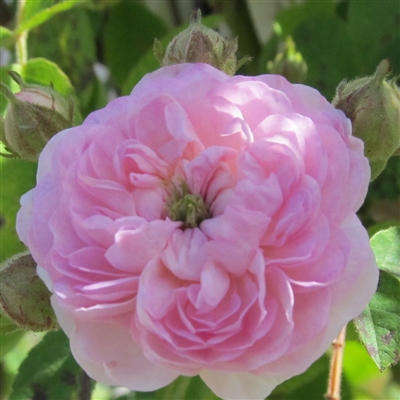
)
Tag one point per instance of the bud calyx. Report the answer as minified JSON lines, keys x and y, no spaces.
{"x":34,"y":115}
{"x":199,"y":44}
{"x":373,"y":105}
{"x":24,"y":298}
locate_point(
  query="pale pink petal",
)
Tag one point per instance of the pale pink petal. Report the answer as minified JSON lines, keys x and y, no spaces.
{"x":276,"y":264}
{"x":239,"y":385}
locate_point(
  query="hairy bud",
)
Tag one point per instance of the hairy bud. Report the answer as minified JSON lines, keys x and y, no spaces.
{"x":34,"y":115}
{"x":373,"y":105}
{"x":24,"y":298}
{"x":199,"y":44}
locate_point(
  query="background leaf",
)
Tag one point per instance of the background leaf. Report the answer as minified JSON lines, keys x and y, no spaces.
{"x":37,"y":12}
{"x":49,"y":371}
{"x":16,"y":178}
{"x":374,"y":27}
{"x":378,"y":325}
{"x":337,"y":48}
{"x":69,"y":39}
{"x":6,"y":37}
{"x":309,"y":385}
{"x":326,"y":69}
{"x":148,"y":61}
{"x":128,"y":34}
{"x":44,"y":72}
{"x":291,"y":17}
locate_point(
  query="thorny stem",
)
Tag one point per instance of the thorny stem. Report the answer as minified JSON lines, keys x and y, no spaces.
{"x":21,"y":43}
{"x":335,"y":371}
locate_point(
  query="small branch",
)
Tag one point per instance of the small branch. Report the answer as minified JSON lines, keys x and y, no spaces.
{"x":22,"y":38}
{"x":335,"y":371}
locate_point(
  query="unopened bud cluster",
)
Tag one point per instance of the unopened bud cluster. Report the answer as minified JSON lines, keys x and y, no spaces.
{"x":199,"y":44}
{"x":34,"y":115}
{"x":373,"y":105}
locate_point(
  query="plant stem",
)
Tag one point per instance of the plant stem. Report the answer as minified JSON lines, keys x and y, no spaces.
{"x":21,"y":42}
{"x":335,"y":371}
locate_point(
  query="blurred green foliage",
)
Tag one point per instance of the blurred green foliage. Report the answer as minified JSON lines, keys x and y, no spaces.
{"x":97,"y":49}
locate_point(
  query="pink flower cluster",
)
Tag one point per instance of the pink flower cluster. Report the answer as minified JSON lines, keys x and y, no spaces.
{"x":205,"y":224}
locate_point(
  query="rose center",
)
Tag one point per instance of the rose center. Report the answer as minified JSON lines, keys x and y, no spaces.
{"x":187,"y":207}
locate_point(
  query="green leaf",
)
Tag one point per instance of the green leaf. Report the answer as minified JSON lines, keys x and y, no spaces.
{"x":94,"y":97}
{"x":16,"y":177}
{"x":330,"y":57}
{"x":387,"y":185}
{"x":35,"y":15}
{"x":6,"y":325}
{"x":386,"y":246}
{"x":378,"y":325}
{"x":68,"y":40}
{"x":9,"y":335}
{"x":45,"y":72}
{"x":374,"y":26}
{"x":316,"y":370}
{"x":311,"y":384}
{"x":6,"y":37}
{"x":48,"y":372}
{"x":335,"y":49}
{"x":129,"y":33}
{"x":182,"y":388}
{"x":380,"y":226}
{"x":6,"y":79}
{"x":289,"y":18}
{"x":357,"y":364}
{"x":148,"y":61}
{"x":29,"y":9}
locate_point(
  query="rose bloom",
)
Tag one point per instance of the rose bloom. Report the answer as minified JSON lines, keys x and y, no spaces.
{"x":205,"y":224}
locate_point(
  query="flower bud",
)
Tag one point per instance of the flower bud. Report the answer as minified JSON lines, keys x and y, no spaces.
{"x":34,"y":115}
{"x":373,"y":105}
{"x":199,"y":44}
{"x":24,"y":298}
{"x":289,"y":63}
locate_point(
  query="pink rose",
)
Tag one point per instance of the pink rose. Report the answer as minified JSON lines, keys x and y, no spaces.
{"x":205,"y":224}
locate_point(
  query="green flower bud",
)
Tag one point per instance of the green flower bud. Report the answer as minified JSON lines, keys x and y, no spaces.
{"x":373,"y":105}
{"x":200,"y":44}
{"x":24,"y":298}
{"x":34,"y":115}
{"x":289,"y":63}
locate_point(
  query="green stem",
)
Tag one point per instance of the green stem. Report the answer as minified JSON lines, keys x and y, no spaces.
{"x":239,"y":20}
{"x":21,"y":43}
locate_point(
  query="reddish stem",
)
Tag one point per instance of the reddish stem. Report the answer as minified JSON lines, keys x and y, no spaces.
{"x":335,"y":372}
